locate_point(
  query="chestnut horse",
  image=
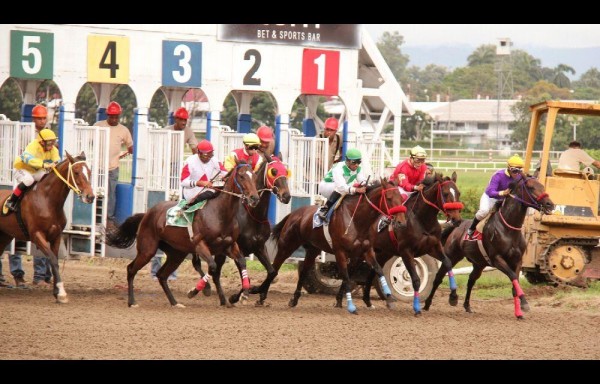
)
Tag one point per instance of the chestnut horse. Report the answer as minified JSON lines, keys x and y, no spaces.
{"x":503,"y":243}
{"x":40,"y":216}
{"x":214,"y":233}
{"x":349,"y":231}
{"x":422,"y":233}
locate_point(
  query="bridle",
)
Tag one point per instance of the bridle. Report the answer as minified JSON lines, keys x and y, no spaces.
{"x":441,"y":204}
{"x":534,"y":202}
{"x":70,"y":177}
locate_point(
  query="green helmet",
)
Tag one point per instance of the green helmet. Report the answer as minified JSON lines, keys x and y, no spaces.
{"x":353,"y":154}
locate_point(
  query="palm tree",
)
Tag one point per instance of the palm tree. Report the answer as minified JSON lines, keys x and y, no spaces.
{"x":484,"y":54}
{"x":560,"y":78}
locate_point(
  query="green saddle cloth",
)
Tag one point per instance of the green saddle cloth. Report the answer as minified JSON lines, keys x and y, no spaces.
{"x":177,"y":217}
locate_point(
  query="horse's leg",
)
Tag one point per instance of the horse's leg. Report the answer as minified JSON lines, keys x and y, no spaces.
{"x":51,"y":252}
{"x":283,"y":253}
{"x":389,"y":299}
{"x":174,"y":259}
{"x":439,"y":276}
{"x":409,"y":263}
{"x":453,"y":298}
{"x":240,"y":262}
{"x":145,"y":251}
{"x":366,"y":290}
{"x":261,"y":254}
{"x":203,"y":251}
{"x":197,"y":264}
{"x":309,"y":263}
{"x":219,"y":261}
{"x":473,"y":277}
{"x":518,"y":295}
{"x":342,"y":264}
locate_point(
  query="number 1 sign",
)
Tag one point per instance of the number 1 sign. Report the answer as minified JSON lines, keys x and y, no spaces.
{"x":320,"y":72}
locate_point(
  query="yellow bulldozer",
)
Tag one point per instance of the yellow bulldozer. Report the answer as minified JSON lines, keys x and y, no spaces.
{"x":562,"y":248}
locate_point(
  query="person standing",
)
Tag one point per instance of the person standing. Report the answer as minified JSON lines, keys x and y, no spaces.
{"x":119,"y":135}
{"x":267,"y":141}
{"x":574,"y":156}
{"x":341,"y":179}
{"x":497,"y":190}
{"x":42,"y":272}
{"x":181,"y":117}
{"x":39,"y":157}
{"x":334,"y":140}
{"x":410,"y":173}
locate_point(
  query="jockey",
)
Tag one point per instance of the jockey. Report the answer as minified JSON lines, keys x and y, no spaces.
{"x":497,"y":189}
{"x":198,"y":174}
{"x":39,"y":157}
{"x":342,"y":178}
{"x":249,"y":153}
{"x":411,"y":172}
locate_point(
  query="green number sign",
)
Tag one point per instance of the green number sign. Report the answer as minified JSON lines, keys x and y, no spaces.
{"x":31,"y":55}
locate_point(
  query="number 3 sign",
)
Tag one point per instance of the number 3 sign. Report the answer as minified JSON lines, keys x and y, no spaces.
{"x":320,"y":72}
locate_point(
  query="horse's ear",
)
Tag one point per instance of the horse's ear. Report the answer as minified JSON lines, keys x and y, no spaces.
{"x":454,"y":176}
{"x":82,"y":155}
{"x":71,"y":160}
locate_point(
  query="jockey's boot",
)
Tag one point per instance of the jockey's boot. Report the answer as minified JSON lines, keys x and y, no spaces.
{"x":322,"y":213}
{"x":471,"y":229}
{"x":206,"y":195}
{"x":11,"y":203}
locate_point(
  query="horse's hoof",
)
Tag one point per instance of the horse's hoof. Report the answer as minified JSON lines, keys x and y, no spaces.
{"x":192,"y":293}
{"x":520,"y":317}
{"x":244,"y":299}
{"x":62,"y":299}
{"x":207,"y":291}
{"x":372,"y":306}
{"x":525,"y":307}
{"x":391,"y":298}
{"x":468,"y":310}
{"x":178,"y":306}
{"x":355,"y":312}
{"x":133,"y":305}
{"x":234,"y":299}
{"x":418,"y":314}
{"x":453,"y":300}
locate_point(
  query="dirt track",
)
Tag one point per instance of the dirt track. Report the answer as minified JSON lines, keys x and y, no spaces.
{"x":97,"y":324}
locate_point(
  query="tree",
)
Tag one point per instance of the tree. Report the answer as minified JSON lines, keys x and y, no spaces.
{"x":11,"y":100}
{"x":484,"y":54}
{"x":389,"y":46}
{"x":590,"y":79}
{"x":560,"y":78}
{"x":469,"y":82}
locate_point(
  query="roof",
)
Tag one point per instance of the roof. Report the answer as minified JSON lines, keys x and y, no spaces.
{"x":469,"y":110}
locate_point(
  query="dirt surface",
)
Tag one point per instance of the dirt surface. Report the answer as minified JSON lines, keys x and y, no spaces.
{"x":97,"y":324}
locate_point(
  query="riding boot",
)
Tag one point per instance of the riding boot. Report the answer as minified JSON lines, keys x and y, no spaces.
{"x":471,"y":229}
{"x":206,"y":195}
{"x":11,"y":204}
{"x":324,"y":209}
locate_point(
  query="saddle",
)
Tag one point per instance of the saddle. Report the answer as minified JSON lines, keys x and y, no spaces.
{"x":178,"y":217}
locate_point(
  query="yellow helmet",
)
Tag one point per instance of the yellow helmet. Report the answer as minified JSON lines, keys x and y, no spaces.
{"x":418,"y":152}
{"x":516,"y":161}
{"x":47,"y":134}
{"x":250,"y":139}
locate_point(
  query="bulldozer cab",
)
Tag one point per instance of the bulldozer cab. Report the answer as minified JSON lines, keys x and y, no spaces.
{"x":563,"y":247}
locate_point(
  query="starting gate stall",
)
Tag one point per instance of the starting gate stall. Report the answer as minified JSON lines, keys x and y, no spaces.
{"x":14,"y":136}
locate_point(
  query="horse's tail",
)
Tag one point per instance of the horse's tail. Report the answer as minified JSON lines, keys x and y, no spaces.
{"x":124,"y":236}
{"x":446,"y":233}
{"x":276,"y":231}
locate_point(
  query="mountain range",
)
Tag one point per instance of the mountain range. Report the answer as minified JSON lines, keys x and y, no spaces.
{"x":580,"y":59}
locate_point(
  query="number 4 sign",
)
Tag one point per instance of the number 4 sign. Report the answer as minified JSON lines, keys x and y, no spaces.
{"x":320,"y":72}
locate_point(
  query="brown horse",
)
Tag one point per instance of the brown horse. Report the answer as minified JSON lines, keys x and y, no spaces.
{"x":40,"y":217}
{"x":214,"y":233}
{"x":503,"y":243}
{"x":349,"y":232}
{"x":255,"y":228}
{"x":422,"y":232}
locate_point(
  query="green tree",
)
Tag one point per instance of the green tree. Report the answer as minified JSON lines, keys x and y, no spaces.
{"x":11,"y":100}
{"x":560,"y":78}
{"x":159,"y":109}
{"x":589,"y":79}
{"x":469,"y":82}
{"x":86,"y":104}
{"x":484,"y":54}
{"x":389,"y":45}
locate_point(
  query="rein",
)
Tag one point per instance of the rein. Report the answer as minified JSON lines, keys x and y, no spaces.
{"x":445,"y":206}
{"x":70,"y":176}
{"x":537,"y":206}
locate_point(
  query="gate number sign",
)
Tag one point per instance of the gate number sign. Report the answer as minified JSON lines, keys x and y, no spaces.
{"x":320,"y":72}
{"x":31,"y":55}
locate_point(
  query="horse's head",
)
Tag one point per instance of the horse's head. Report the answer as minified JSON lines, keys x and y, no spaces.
{"x":243,"y":179}
{"x":389,"y":200}
{"x":447,"y":195}
{"x":78,"y":176}
{"x":529,"y":191}
{"x":276,"y":176}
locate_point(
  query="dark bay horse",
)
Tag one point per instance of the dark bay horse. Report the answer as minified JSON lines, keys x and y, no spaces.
{"x":349,"y":231}
{"x":255,"y":228}
{"x":422,"y":233}
{"x":214,"y":233}
{"x":40,"y":216}
{"x":503,"y":243}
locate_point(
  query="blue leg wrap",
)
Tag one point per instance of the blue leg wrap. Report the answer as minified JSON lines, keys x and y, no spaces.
{"x":416,"y":304}
{"x":384,"y":286}
{"x":351,"y":306}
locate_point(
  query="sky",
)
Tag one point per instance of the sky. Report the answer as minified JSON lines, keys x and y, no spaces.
{"x":521,"y":35}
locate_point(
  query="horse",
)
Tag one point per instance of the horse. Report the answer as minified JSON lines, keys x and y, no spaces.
{"x":40,"y":216}
{"x":255,"y":228}
{"x":214,"y":232}
{"x":348,"y":231}
{"x":422,"y":232}
{"x":503,"y":244}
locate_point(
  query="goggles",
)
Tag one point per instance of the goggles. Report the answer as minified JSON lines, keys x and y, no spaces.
{"x":515,"y":170}
{"x":355,"y":161}
{"x":254,"y":147}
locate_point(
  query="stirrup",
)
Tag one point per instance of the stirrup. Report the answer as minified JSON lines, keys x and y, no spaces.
{"x":322,"y":214}
{"x":470,"y":233}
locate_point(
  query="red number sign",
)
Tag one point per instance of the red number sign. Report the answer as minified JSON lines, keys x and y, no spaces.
{"x":320,"y":72}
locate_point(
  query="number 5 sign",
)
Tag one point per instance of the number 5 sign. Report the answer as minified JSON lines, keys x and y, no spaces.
{"x":31,"y":55}
{"x":320,"y":72}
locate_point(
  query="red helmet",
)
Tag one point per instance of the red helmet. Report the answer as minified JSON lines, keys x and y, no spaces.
{"x":39,"y":111}
{"x":113,"y":108}
{"x":205,"y":146}
{"x":331,"y":123}
{"x":265,"y":133}
{"x":182,"y":113}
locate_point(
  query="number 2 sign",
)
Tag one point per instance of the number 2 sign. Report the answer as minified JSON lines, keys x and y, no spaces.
{"x":320,"y":72}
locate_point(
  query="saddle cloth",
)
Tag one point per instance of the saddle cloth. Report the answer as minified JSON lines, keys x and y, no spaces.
{"x":177,"y":217}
